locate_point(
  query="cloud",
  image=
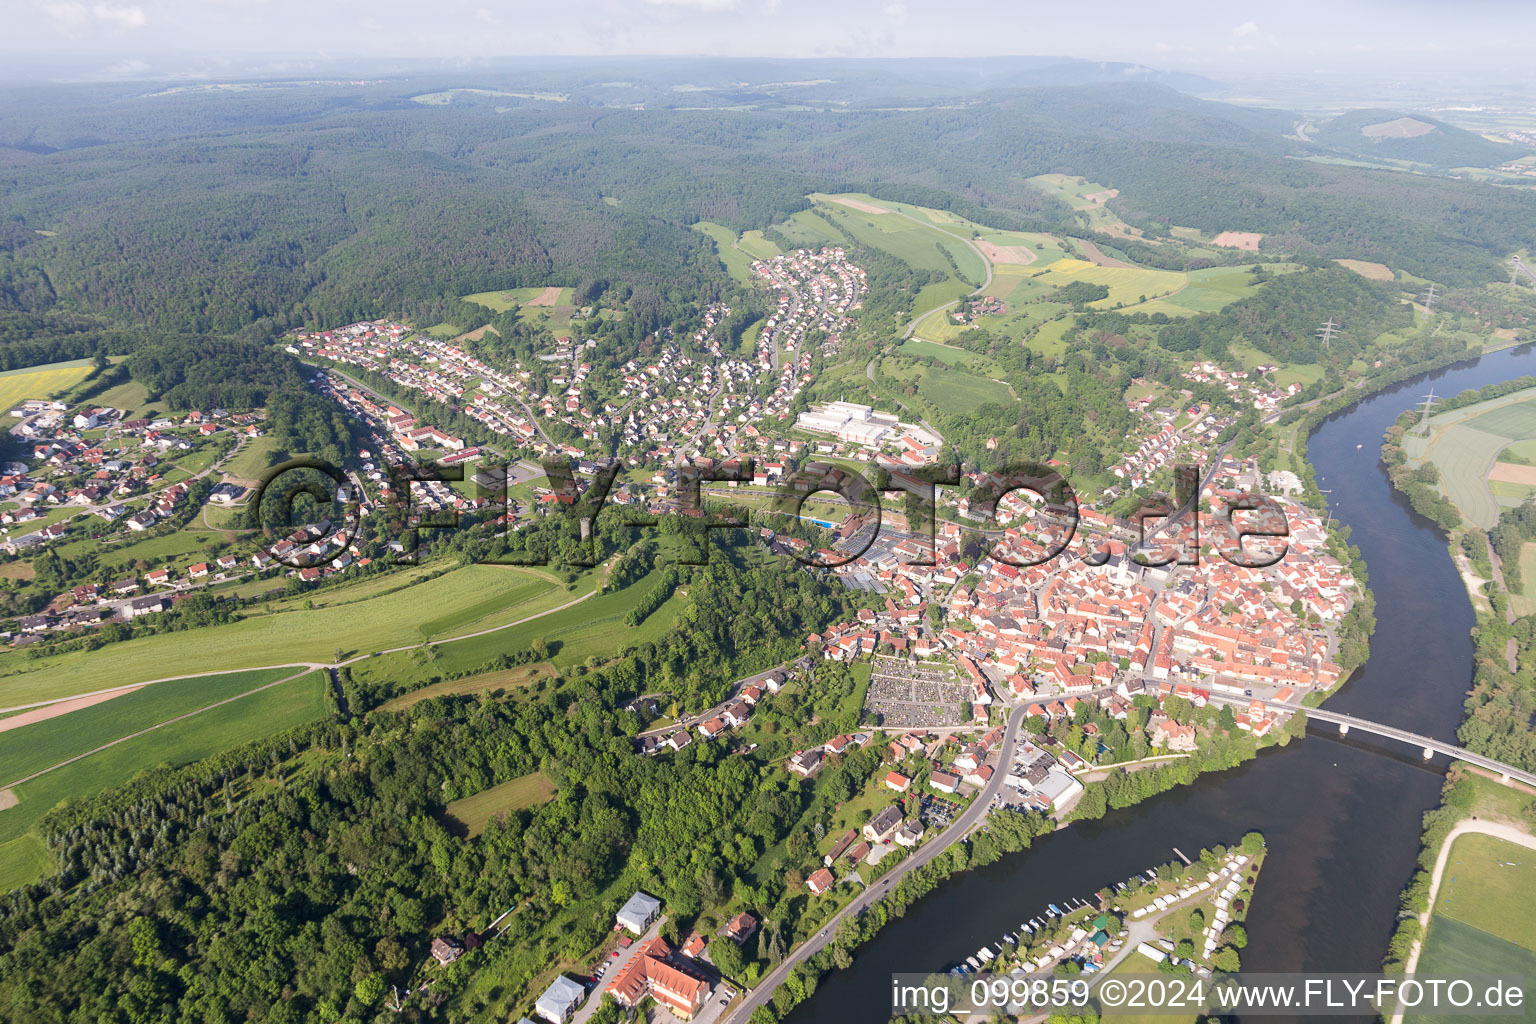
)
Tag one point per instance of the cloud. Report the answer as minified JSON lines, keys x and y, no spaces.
{"x":73,"y":15}
{"x":77,"y":15}
{"x":703,"y":6}
{"x":1246,"y":29}
{"x":122,"y":17}
{"x":897,"y":11}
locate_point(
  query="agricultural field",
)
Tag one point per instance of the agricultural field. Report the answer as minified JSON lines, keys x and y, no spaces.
{"x":250,"y":718}
{"x":517,"y":298}
{"x":595,"y":626}
{"x":934,"y":350}
{"x":905,"y":237}
{"x":1484,"y":917}
{"x":1127,"y":285}
{"x":948,"y":388}
{"x":1089,"y":199}
{"x":39,"y":381}
{"x":475,"y":812}
{"x":31,"y":748}
{"x":1490,"y":884}
{"x":1365,"y":268}
{"x":808,"y":229}
{"x":460,"y":598}
{"x":1464,"y":445}
{"x":1207,"y":291}
{"x":757,"y":246}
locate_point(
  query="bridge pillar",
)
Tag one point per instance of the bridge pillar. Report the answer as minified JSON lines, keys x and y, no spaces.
{"x":1429,"y":752}
{"x":1504,"y":778}
{"x":1343,"y":729}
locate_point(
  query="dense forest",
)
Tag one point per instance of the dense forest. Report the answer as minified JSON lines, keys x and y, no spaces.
{"x":297,"y":877}
{"x":313,"y":206}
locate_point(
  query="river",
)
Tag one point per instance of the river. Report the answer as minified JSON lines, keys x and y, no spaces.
{"x":1342,"y":816}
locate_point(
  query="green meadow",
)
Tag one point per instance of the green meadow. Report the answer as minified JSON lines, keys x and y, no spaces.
{"x":31,"y":748}
{"x":475,"y":812}
{"x":250,"y":718}
{"x":460,"y":599}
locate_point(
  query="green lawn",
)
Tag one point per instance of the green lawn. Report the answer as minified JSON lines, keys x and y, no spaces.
{"x":251,"y":718}
{"x":1490,"y":884}
{"x":390,"y":620}
{"x":1454,"y":949}
{"x":32,"y":748}
{"x":253,"y":459}
{"x":474,"y":812}
{"x":1138,"y":964}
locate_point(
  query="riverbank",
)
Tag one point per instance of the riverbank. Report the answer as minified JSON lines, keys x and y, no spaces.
{"x":1470,"y":801}
{"x":1316,"y":801}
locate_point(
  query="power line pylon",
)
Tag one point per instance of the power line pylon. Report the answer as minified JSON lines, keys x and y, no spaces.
{"x":1327,"y":332}
{"x":1429,"y":400}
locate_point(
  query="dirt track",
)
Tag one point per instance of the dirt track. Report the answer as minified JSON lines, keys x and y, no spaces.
{"x":63,"y":707}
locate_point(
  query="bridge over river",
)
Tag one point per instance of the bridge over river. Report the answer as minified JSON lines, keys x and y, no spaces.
{"x":1427,"y":744}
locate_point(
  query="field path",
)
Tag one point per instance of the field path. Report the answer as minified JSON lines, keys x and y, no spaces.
{"x":305,"y":665}
{"x":157,"y":725}
{"x":62,"y":707}
{"x":1488,"y":828}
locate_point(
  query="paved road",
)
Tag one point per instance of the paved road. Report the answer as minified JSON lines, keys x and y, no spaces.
{"x":957,"y":830}
{"x":689,"y":721}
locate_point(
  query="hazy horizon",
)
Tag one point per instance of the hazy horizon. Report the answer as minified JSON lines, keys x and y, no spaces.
{"x":130,"y":38}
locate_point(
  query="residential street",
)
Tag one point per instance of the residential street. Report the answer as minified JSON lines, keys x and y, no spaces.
{"x":957,"y":830}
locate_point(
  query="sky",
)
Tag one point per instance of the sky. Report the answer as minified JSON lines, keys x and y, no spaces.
{"x":1196,"y":35}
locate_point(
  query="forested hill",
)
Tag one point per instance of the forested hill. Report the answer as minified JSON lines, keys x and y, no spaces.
{"x":1394,"y":135}
{"x":212,"y":211}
